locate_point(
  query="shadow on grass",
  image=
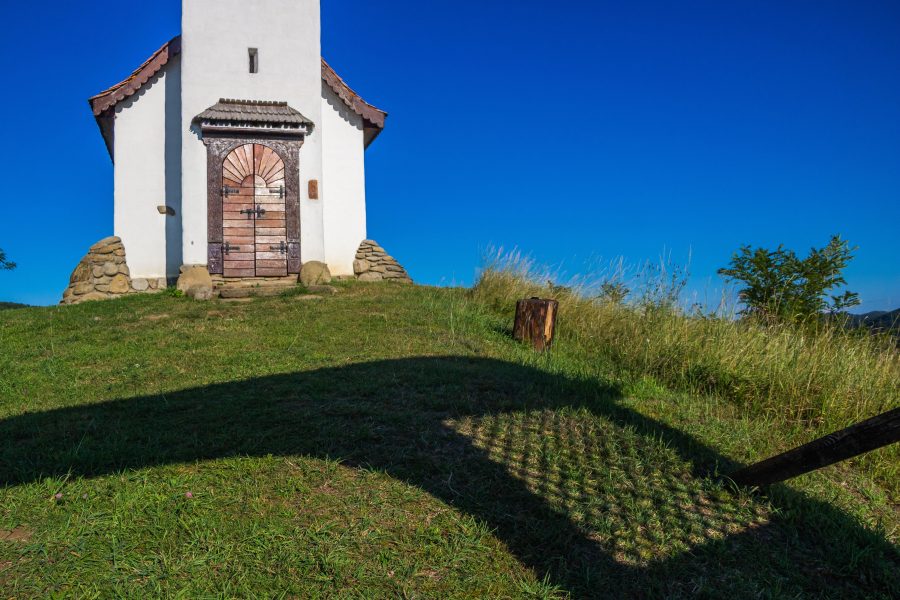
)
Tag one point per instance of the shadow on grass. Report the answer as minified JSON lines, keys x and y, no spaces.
{"x":600,"y":500}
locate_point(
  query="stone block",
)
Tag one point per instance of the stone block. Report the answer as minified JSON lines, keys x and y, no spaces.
{"x":195,"y":282}
{"x":109,"y":241}
{"x":94,"y":297}
{"x":82,"y":273}
{"x":361,"y":266}
{"x":119,"y":285}
{"x":82,"y":288}
{"x":315,"y":273}
{"x":106,"y":249}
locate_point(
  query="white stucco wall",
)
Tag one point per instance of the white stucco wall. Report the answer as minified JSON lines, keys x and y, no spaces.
{"x":140,"y":153}
{"x":343,"y":189}
{"x":216,"y":35}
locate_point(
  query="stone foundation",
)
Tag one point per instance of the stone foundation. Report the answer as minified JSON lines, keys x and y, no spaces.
{"x":104,"y":274}
{"x":373,"y":263}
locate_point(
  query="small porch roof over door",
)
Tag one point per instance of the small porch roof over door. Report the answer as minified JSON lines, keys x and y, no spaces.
{"x":253,"y":117}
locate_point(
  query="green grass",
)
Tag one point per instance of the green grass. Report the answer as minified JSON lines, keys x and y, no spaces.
{"x":391,"y":442}
{"x":807,"y":381}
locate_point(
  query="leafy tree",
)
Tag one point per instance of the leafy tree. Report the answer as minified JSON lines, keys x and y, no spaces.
{"x":5,"y":265}
{"x":778,"y":284}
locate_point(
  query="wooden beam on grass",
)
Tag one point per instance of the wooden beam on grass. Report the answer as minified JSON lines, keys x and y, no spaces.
{"x":869,"y":435}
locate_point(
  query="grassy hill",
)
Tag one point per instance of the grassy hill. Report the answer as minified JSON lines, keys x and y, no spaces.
{"x":394,"y":442}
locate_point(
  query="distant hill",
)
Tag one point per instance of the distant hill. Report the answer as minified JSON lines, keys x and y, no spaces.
{"x":11,"y":305}
{"x":878,"y":320}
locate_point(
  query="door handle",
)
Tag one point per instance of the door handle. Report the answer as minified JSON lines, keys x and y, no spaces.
{"x":250,"y":212}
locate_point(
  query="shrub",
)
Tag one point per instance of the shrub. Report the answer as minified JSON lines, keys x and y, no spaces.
{"x":778,"y":284}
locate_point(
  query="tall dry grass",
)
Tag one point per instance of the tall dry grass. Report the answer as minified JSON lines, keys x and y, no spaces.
{"x":823,"y":378}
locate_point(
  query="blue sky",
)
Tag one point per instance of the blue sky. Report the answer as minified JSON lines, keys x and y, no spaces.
{"x":575,"y":131}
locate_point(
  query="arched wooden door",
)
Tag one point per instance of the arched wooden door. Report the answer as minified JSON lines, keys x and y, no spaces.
{"x":253,"y":213}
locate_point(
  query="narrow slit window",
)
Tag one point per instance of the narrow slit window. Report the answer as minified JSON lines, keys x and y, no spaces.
{"x":254,"y":60}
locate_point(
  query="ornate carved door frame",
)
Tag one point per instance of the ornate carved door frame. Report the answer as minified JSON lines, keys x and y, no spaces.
{"x":217,"y":149}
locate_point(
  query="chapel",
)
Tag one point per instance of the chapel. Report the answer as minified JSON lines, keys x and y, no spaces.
{"x":237,"y":148}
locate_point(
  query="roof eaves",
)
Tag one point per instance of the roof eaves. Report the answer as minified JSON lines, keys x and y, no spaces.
{"x":124,"y":89}
{"x":103,"y":104}
{"x":374,"y":117}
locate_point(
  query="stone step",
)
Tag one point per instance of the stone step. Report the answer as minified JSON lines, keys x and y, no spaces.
{"x":267,"y":291}
{"x":286,"y":282}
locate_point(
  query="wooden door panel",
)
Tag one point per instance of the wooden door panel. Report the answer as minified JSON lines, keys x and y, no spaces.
{"x":270,"y":254}
{"x":244,"y":242}
{"x":272,"y":218}
{"x":262,"y":240}
{"x":264,"y":272}
{"x":238,"y":229}
{"x":269,"y":264}
{"x":271,"y":249}
{"x":274,"y":213}
{"x":240,"y":220}
{"x":257,"y":242}
{"x":279,"y":231}
{"x":245,"y":253}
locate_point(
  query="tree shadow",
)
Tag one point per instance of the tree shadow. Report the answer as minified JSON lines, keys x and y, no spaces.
{"x":580,"y":488}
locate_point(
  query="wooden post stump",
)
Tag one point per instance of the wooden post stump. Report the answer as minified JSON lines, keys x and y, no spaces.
{"x":536,"y":322}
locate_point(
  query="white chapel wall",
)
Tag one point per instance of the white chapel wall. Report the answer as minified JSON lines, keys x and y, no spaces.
{"x":216,"y":36}
{"x":343,"y":189}
{"x":140,"y":177}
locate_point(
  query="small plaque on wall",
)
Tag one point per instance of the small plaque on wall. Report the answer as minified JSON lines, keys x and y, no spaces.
{"x":313,"y":189}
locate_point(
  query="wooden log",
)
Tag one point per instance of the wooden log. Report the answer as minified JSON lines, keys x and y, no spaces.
{"x":536,"y":322}
{"x":869,"y":435}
